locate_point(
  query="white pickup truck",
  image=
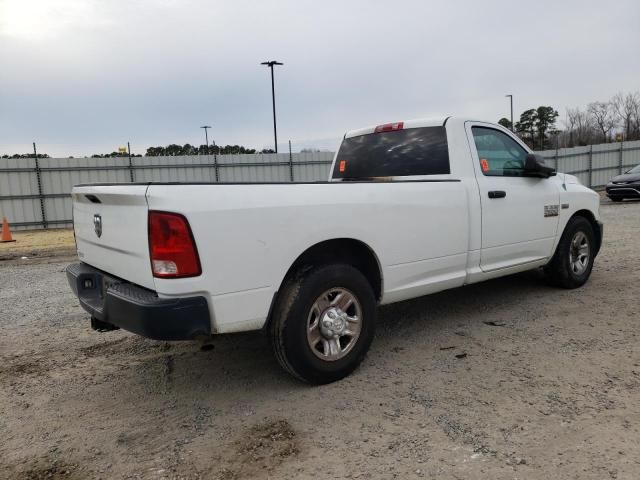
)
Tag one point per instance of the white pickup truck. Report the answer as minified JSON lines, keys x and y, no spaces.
{"x":410,"y":208}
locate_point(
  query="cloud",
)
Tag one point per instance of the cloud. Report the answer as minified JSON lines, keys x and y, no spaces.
{"x":41,"y":21}
{"x":82,"y":75}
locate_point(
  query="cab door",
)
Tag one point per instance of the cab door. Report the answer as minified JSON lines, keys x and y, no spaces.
{"x":519,"y":214}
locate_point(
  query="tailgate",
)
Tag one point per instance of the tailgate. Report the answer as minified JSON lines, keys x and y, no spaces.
{"x":110,"y":224}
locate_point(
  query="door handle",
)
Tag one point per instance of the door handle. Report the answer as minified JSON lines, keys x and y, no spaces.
{"x":497,"y":194}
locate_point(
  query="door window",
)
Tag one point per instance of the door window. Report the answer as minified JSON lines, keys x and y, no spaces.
{"x":499,"y":154}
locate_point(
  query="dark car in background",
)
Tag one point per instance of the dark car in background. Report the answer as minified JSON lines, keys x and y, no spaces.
{"x":624,"y":186}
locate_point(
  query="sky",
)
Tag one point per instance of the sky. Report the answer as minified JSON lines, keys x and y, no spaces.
{"x":85,"y":76}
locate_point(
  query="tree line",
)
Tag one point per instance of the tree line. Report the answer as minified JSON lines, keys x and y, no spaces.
{"x":25,"y":155}
{"x":187,"y":149}
{"x":113,"y":154}
{"x":617,"y":119}
{"x":172,"y":150}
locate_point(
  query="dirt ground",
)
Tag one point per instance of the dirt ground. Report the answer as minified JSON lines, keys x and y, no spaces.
{"x":502,"y":380}
{"x":38,"y":243}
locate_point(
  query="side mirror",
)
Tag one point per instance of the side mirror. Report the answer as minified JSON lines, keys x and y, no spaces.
{"x":534,"y":167}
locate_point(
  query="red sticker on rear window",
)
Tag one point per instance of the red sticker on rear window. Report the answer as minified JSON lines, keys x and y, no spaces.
{"x":484,"y":164}
{"x":342,"y":166}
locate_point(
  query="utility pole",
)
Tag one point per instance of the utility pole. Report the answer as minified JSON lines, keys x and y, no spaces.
{"x":40,"y":190}
{"x":130,"y":163}
{"x":270,"y":64}
{"x":215,"y":162}
{"x":511,"y":101}
{"x":206,"y":136}
{"x":290,"y":163}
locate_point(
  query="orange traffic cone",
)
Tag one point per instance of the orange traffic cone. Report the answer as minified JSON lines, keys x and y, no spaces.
{"x":6,"y":232}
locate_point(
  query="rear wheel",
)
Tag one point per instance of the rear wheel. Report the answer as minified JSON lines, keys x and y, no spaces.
{"x":324,"y":323}
{"x":572,"y":263}
{"x":616,"y":199}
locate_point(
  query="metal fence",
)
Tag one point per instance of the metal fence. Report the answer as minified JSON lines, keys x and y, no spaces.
{"x":34,"y":193}
{"x":594,"y":165}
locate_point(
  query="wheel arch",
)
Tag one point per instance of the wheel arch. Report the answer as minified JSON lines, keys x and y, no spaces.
{"x":591,"y":218}
{"x":338,"y":250}
{"x":346,"y":250}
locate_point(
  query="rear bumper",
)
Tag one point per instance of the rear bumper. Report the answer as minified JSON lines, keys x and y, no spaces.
{"x":136,"y":309}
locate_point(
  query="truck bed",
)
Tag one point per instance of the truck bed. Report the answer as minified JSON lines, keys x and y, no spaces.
{"x":248,"y":235}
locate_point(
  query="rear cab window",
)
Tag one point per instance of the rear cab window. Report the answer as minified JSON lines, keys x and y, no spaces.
{"x":398,"y":153}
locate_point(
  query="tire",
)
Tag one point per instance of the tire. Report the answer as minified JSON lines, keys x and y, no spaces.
{"x":311,"y":298}
{"x":616,"y":199}
{"x":568,"y":268}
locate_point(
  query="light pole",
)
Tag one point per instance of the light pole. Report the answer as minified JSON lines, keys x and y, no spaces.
{"x":270,"y":64}
{"x":206,"y":136}
{"x":511,"y":101}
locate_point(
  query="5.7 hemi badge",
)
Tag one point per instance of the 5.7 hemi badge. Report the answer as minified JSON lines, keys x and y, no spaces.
{"x":551,"y":210}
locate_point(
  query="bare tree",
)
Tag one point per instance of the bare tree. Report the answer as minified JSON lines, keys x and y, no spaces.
{"x":570,"y":124}
{"x":580,"y":128}
{"x":600,"y":120}
{"x":635,"y":120}
{"x":603,"y":117}
{"x":624,"y":108}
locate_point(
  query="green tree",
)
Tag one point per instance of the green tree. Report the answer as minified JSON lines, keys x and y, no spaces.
{"x":173,"y":150}
{"x":526,"y":127}
{"x":536,"y":125}
{"x":189,"y":149}
{"x":155,"y":151}
{"x":505,"y":122}
{"x":545,"y":121}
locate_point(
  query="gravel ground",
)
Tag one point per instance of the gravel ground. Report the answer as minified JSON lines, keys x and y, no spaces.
{"x":505,"y":379}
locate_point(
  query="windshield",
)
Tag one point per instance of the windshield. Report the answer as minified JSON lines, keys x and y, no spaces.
{"x":635,"y":169}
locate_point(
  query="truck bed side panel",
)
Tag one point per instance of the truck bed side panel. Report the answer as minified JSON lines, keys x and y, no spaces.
{"x":249,"y":235}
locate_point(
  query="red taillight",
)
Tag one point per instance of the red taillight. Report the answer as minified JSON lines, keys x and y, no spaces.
{"x":171,"y":247}
{"x":389,"y":127}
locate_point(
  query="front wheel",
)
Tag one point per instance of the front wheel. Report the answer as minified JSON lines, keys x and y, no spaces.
{"x":323,"y":323}
{"x":572,"y":263}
